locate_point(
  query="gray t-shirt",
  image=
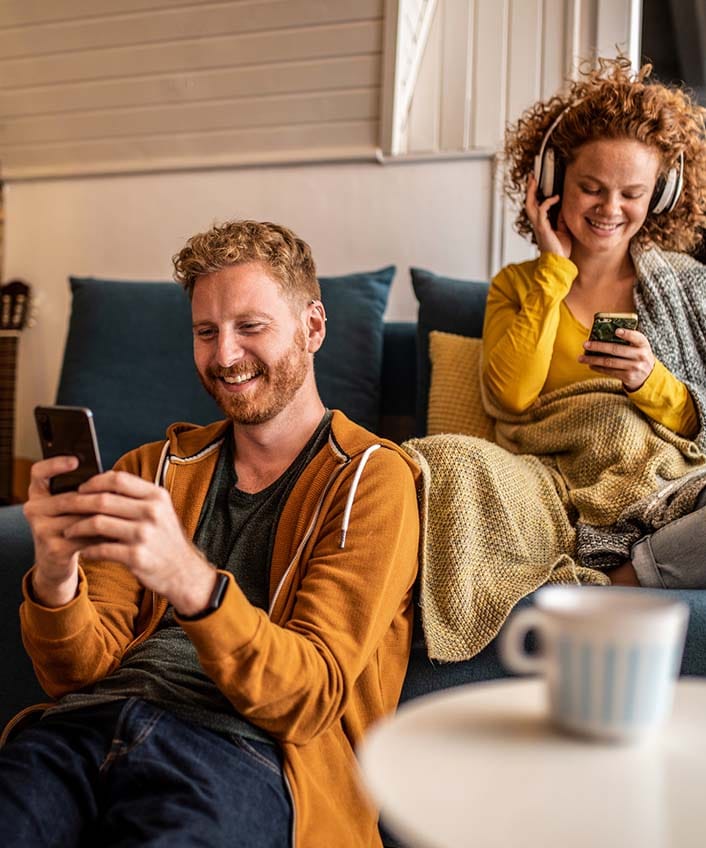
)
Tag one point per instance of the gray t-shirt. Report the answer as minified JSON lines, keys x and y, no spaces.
{"x":236,"y":532}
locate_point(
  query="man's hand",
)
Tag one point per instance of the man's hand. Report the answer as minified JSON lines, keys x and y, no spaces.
{"x":632,"y":364}
{"x":549,"y":240}
{"x":133,"y":522}
{"x":55,"y":574}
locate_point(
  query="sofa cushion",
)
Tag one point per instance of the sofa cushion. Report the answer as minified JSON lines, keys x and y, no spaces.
{"x":349,"y":365}
{"x":129,"y":356}
{"x":449,"y":305}
{"x":455,"y":404}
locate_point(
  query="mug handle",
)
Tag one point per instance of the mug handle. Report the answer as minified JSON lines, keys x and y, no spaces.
{"x":512,"y":642}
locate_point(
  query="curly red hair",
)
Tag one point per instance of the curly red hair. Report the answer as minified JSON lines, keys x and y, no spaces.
{"x":610,"y":101}
{"x":280,"y":251}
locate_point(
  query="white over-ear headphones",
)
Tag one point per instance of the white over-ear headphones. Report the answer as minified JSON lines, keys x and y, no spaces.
{"x":549,"y":173}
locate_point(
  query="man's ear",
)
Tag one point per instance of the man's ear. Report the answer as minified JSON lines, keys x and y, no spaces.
{"x":315,"y":325}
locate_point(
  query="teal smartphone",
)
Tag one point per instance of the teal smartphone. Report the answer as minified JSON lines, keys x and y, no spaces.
{"x":69,"y":430}
{"x":604,"y":326}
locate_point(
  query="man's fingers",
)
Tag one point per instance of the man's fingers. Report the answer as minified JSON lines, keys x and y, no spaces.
{"x":42,"y":472}
{"x":119,"y":482}
{"x":66,"y":504}
{"x":104,"y":527}
{"x":106,"y":550}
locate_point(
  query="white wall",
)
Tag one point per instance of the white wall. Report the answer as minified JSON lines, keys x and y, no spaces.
{"x":70,"y":104}
{"x":356,"y":216}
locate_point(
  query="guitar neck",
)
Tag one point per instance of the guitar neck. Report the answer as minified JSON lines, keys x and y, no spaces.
{"x":8,"y":370}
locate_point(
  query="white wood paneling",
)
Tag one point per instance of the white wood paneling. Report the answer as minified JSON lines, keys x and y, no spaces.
{"x":524,"y":88}
{"x":188,"y":151}
{"x":176,"y":25}
{"x":89,"y":65}
{"x":618,"y":24}
{"x":128,"y":85}
{"x":490,"y":67}
{"x":555,"y":34}
{"x":185,"y":87}
{"x":23,"y":12}
{"x":456,"y":74}
{"x":235,"y":114}
{"x":585,"y":43}
{"x":425,"y":109}
{"x":407,"y":26}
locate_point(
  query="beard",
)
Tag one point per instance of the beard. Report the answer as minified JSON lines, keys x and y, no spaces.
{"x":277,"y":384}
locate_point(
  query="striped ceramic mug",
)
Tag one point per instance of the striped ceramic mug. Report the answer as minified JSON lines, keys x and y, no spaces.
{"x":610,"y":656}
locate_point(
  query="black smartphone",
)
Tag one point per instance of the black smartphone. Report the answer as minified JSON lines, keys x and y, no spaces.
{"x":69,"y":431}
{"x":604,"y":326}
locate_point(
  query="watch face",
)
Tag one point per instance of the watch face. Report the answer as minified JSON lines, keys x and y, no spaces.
{"x":219,"y":591}
{"x":214,"y":601}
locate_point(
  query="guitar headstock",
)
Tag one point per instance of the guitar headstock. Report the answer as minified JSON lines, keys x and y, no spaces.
{"x":14,"y":305}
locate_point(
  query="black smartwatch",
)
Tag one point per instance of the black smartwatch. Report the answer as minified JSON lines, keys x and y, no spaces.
{"x":214,"y":601}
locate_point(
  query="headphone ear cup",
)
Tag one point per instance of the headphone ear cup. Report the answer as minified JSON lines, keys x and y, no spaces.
{"x":546,"y":174}
{"x":559,"y":171}
{"x":667,"y":190}
{"x":550,"y":179}
{"x":657,"y":198}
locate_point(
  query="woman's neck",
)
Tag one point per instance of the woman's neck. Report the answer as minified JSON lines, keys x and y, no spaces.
{"x":597,"y":271}
{"x":604,"y":284}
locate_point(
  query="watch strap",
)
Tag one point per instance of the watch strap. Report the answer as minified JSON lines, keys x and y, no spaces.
{"x":215,"y":600}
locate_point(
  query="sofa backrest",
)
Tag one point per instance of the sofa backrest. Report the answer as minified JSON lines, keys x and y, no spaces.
{"x":128,"y":357}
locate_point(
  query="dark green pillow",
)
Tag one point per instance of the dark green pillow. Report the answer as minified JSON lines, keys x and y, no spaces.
{"x":449,"y":305}
{"x":129,"y":356}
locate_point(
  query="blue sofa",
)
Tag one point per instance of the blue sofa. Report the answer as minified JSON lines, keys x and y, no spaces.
{"x":128,"y":357}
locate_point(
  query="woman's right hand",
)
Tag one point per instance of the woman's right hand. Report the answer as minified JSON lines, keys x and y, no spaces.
{"x":548,"y":239}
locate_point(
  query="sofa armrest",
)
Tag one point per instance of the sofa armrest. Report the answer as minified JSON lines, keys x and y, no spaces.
{"x":19,"y":688}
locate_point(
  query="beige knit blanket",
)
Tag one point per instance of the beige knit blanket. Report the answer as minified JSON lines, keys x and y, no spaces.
{"x":498,"y":520}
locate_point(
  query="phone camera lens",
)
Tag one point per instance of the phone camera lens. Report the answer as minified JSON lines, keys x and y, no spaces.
{"x":45,"y":427}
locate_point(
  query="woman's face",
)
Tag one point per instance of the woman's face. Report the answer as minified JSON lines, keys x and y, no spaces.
{"x":606,"y":195}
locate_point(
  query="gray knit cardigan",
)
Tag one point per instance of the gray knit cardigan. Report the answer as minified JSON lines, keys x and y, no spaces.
{"x":670,"y":297}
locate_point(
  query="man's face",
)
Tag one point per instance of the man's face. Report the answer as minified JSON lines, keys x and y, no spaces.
{"x":250,"y":346}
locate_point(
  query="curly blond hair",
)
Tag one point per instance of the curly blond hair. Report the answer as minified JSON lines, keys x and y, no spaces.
{"x":610,"y":101}
{"x":287,"y":257}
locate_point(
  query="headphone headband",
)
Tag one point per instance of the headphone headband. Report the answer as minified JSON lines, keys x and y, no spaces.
{"x":549,"y":172}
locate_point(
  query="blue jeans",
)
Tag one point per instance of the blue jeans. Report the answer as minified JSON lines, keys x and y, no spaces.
{"x":131,"y":774}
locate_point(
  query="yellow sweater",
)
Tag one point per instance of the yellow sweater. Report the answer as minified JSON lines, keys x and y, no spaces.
{"x":532,"y":341}
{"x":328,"y":658}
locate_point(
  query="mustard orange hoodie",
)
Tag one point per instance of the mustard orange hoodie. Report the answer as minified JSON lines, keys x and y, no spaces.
{"x":329,"y":656}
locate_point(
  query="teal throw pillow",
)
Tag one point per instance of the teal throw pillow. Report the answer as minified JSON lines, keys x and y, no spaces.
{"x":128,"y":356}
{"x":349,"y":365}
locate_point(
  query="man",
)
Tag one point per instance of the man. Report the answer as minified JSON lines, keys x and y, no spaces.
{"x":223,"y":615}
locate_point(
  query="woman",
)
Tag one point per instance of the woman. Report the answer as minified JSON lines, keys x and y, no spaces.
{"x":597,"y":473}
{"x":614,"y":199}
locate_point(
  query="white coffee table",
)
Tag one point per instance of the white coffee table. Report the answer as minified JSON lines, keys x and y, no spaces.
{"x":480,"y":766}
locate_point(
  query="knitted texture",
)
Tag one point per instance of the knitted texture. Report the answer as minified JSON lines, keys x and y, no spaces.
{"x":499,"y":519}
{"x":670,"y":298}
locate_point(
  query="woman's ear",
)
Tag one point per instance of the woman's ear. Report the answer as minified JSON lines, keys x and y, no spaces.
{"x":315,"y":325}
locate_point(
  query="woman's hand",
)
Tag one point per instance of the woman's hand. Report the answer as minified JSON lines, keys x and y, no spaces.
{"x":548,"y":239}
{"x":632,"y":364}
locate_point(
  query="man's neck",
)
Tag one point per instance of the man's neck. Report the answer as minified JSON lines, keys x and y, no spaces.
{"x":264,"y":451}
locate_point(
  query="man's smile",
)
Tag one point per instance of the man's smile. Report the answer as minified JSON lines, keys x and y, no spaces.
{"x":238,"y":379}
